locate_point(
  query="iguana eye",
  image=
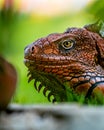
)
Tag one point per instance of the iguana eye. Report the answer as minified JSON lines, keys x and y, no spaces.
{"x":67,"y":44}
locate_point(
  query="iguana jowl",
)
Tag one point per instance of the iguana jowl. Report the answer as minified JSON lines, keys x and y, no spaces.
{"x":75,"y":57}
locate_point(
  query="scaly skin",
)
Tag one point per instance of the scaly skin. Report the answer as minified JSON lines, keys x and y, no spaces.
{"x":75,"y":58}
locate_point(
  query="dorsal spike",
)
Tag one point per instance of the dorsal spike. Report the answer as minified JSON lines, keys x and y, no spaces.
{"x":97,"y":27}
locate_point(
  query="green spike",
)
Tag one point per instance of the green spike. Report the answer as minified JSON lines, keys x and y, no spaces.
{"x":97,"y":27}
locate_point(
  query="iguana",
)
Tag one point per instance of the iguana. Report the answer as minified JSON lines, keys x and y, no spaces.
{"x":75,"y":58}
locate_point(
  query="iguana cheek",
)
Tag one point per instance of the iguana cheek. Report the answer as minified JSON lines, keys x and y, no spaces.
{"x":48,"y":51}
{"x":51,"y":51}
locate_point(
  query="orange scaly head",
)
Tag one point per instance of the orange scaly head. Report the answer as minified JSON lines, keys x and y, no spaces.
{"x":75,"y":56}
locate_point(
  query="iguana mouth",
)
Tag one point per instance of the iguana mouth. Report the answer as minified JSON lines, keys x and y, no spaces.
{"x":28,"y":62}
{"x":52,"y":60}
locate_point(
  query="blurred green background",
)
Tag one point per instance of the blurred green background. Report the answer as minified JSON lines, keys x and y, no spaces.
{"x":19,"y":27}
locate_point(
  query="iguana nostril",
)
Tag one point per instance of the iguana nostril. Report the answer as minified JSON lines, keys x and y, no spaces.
{"x":32,"y":48}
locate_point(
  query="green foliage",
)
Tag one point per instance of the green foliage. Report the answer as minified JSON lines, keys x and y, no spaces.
{"x":97,"y":9}
{"x":80,"y":98}
{"x":7,"y":23}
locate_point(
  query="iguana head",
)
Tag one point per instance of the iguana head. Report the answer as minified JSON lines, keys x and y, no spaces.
{"x":65,"y":56}
{"x":77,"y":49}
